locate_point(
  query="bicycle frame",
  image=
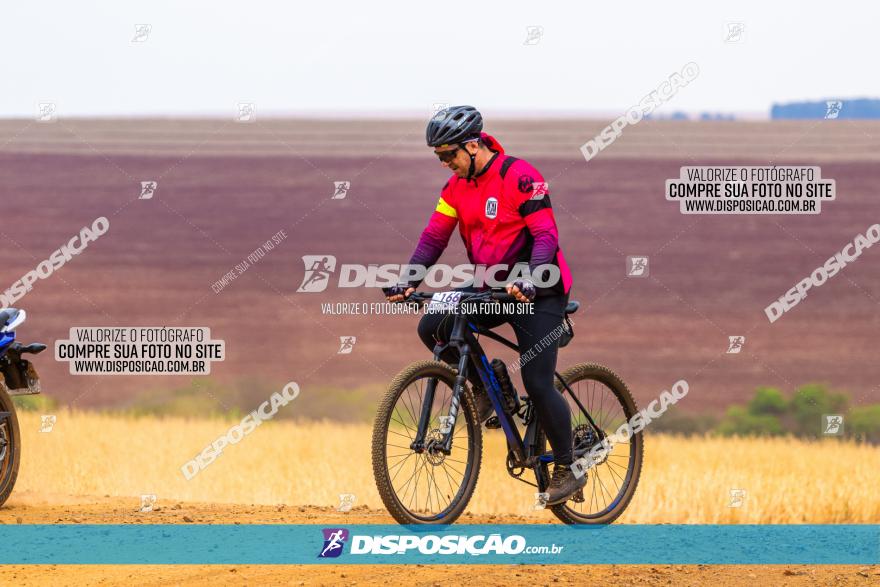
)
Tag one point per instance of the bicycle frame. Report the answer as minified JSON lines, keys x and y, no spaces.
{"x":523,"y":449}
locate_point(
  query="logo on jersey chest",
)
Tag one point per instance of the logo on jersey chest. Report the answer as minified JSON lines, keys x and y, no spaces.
{"x":492,"y":207}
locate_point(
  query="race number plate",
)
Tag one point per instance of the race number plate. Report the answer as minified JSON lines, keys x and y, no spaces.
{"x":444,"y":301}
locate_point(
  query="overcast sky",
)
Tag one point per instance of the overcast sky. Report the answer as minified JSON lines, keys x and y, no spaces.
{"x":203,"y":57}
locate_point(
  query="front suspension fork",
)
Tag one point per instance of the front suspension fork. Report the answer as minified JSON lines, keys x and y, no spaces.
{"x":447,"y":423}
{"x":460,"y":378}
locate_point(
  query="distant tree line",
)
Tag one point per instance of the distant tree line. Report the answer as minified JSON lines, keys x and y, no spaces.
{"x":771,"y":413}
{"x":860,"y":109}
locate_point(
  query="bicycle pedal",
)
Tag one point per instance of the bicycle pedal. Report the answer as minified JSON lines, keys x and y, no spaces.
{"x":493,"y":423}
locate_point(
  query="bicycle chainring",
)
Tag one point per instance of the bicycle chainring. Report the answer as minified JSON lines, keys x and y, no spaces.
{"x":515,"y":472}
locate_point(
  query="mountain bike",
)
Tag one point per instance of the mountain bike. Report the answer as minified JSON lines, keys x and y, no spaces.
{"x":17,"y":377}
{"x":427,"y":438}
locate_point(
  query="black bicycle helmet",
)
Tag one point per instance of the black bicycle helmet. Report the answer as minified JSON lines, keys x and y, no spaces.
{"x":455,"y":124}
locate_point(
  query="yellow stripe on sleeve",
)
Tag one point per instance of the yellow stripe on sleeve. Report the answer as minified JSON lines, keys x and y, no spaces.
{"x":445,"y":208}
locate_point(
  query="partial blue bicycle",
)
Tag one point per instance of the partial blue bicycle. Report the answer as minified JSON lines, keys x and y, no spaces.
{"x":18,"y":378}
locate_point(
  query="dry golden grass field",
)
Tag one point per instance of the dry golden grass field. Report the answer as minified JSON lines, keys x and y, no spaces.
{"x":684,"y":480}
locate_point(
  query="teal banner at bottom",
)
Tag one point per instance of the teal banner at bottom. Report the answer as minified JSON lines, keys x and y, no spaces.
{"x":278,"y":544}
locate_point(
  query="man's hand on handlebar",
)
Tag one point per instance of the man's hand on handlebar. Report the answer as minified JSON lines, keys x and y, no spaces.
{"x":522,"y":289}
{"x":399,"y":292}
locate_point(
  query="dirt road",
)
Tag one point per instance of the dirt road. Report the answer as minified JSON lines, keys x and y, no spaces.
{"x":49,"y":509}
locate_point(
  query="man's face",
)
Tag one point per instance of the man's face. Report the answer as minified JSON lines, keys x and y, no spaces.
{"x":456,"y":158}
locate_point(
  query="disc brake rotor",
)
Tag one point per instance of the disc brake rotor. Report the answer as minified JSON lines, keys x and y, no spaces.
{"x":432,"y":453}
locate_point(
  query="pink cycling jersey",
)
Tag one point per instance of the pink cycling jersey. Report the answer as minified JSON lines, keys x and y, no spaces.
{"x":504,"y":217}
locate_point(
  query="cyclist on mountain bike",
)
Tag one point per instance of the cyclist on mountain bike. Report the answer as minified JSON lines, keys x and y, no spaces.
{"x":502,"y":207}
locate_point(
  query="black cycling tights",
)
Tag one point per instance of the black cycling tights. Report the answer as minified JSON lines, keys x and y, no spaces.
{"x":537,"y":372}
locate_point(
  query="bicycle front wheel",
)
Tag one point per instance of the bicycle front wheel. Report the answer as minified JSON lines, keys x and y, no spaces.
{"x":425,"y":486}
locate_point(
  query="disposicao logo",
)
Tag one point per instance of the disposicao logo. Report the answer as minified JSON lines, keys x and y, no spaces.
{"x":334,"y":540}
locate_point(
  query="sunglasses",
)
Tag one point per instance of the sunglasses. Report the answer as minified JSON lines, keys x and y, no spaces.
{"x":447,"y":156}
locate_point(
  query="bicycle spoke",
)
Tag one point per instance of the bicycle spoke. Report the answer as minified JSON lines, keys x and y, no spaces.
{"x":405,"y":427}
{"x":449,"y":480}
{"x":593,"y":498}
{"x":415,"y":487}
{"x":399,"y":434}
{"x":613,"y":473}
{"x":605,"y":490}
{"x":405,"y":454}
{"x":456,"y":470}
{"x":400,"y":464}
{"x":410,"y":409}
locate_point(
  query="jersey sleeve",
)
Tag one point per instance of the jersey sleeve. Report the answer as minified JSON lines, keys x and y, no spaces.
{"x":533,"y":199}
{"x":436,"y":235}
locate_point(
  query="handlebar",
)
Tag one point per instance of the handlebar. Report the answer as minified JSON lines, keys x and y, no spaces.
{"x":500,"y":296}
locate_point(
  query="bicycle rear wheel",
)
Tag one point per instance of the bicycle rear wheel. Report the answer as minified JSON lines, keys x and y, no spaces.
{"x":426,"y":487}
{"x":611,"y":484}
